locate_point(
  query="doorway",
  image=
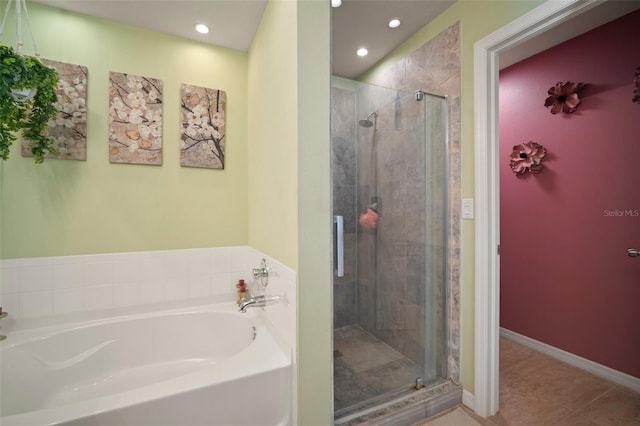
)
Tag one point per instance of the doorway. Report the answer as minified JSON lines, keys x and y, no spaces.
{"x":487,"y":58}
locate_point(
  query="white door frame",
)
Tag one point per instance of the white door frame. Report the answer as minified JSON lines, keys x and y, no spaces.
{"x":487,"y":185}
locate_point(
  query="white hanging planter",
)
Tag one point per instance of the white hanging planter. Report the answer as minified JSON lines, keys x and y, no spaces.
{"x":26,"y":94}
{"x":23,"y":95}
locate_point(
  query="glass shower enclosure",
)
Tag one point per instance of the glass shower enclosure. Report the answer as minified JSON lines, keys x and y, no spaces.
{"x":389,"y":157}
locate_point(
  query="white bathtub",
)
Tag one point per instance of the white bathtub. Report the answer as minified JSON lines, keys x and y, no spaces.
{"x":208,"y":365}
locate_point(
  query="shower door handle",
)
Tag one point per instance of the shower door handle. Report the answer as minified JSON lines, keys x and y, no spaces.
{"x":633,"y":252}
{"x":339,"y":224}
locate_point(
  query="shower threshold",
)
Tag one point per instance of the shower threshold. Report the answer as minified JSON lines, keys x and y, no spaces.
{"x":403,"y":407}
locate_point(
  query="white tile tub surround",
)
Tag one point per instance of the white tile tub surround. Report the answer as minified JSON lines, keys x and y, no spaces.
{"x":37,"y":287}
{"x":282,"y":282}
{"x":281,"y":317}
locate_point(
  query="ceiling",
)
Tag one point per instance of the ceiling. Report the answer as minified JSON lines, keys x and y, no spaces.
{"x":355,"y":24}
{"x":232,"y":23}
{"x":364,"y":23}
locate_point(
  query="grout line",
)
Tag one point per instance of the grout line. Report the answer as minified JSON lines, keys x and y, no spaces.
{"x":583,"y":408}
{"x":611,"y":388}
{"x":572,"y":413}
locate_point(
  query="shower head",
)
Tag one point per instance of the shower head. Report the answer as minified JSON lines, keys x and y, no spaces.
{"x":367,"y":122}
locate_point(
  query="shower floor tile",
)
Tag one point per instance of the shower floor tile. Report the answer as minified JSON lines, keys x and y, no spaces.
{"x":361,"y":351}
{"x":349,"y":387}
{"x":365,"y":367}
{"x":392,"y":376}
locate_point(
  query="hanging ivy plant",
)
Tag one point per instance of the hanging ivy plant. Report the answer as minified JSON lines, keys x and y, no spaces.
{"x":27,"y":102}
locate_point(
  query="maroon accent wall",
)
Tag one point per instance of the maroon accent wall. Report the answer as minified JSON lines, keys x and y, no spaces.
{"x":565,"y":277}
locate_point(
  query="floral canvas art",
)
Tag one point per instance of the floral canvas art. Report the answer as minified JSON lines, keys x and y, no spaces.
{"x":203,"y":127}
{"x":135,"y":119}
{"x":69,"y":127}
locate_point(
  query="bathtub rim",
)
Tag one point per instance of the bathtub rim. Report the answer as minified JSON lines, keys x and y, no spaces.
{"x":23,"y":331}
{"x":12,"y":325}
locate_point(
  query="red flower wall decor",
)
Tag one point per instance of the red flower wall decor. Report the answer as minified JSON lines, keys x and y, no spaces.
{"x":636,"y":92}
{"x":563,"y":97}
{"x":527,"y":157}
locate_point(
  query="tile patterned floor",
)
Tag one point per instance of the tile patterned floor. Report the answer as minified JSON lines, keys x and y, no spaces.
{"x":536,"y":390}
{"x":365,"y":367}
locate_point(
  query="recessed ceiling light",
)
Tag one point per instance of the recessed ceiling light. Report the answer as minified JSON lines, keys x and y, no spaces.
{"x":202,"y":28}
{"x":394,"y":23}
{"x":362,"y":52}
{"x":336,"y":3}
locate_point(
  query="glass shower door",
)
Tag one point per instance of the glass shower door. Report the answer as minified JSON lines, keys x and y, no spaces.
{"x":389,"y":180}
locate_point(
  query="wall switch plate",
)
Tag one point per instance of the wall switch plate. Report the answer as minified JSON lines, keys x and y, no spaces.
{"x":467,"y":208}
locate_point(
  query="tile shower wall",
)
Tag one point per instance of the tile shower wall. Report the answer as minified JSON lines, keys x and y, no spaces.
{"x":393,"y":299}
{"x":343,"y":161}
{"x":435,"y":68}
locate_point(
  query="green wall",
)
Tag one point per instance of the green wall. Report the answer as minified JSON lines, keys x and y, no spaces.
{"x":66,"y":207}
{"x":315,"y":274}
{"x":289,"y":184}
{"x":272,"y":161}
{"x":477,"y":20}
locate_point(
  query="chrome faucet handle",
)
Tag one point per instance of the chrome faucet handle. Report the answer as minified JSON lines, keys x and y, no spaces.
{"x":261,"y":274}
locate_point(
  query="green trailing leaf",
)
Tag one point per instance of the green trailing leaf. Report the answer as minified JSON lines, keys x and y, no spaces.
{"x":24,"y":72}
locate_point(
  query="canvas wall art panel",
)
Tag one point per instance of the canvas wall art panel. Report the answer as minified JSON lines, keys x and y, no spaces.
{"x":135,"y":119}
{"x":69,"y":127}
{"x":203,"y":127}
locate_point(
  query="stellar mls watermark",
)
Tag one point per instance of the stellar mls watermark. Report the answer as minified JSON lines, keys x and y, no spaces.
{"x":622,"y":213}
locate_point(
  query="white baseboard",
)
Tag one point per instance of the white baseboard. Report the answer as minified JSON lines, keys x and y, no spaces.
{"x":467,"y":398}
{"x":594,"y":368}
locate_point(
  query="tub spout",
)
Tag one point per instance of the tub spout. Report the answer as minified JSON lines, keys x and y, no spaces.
{"x":258,"y":301}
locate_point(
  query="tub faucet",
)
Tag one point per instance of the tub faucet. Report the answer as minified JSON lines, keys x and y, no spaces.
{"x":258,"y":301}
